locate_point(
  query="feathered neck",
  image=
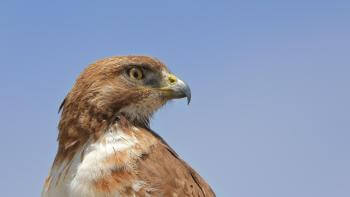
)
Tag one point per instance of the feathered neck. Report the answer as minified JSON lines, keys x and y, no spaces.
{"x":77,"y":127}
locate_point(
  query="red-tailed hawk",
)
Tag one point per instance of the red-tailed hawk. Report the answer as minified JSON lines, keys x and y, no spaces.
{"x":106,"y":147}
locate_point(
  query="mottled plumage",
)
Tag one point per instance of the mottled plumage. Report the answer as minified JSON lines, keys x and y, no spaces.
{"x":106,"y":147}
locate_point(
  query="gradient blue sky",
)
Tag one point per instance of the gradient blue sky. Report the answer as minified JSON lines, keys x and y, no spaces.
{"x":270,"y":80}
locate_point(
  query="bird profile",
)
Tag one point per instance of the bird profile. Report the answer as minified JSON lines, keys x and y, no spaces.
{"x":106,"y":147}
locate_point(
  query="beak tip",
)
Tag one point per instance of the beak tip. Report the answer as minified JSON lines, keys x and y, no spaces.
{"x":188,"y":94}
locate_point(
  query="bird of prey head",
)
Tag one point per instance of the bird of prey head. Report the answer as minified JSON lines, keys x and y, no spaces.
{"x":130,"y":87}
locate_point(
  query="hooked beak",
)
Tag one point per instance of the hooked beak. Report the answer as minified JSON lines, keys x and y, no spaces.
{"x":177,"y":89}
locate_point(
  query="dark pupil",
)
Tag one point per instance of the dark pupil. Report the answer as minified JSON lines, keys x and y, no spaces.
{"x":135,"y":74}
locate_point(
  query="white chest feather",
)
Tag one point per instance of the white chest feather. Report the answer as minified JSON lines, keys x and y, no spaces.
{"x":74,"y":178}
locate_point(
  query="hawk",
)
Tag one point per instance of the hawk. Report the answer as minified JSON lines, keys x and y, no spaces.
{"x":106,"y":146}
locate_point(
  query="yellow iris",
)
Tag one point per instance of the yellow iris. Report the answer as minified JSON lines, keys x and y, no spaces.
{"x":136,"y":73}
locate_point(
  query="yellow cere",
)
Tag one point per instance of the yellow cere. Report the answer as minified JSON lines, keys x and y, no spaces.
{"x":172,"y":79}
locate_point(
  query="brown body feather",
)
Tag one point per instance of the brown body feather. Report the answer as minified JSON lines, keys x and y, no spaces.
{"x":160,"y":169}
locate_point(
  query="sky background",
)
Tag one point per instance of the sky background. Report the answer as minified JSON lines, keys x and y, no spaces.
{"x":270,"y":114}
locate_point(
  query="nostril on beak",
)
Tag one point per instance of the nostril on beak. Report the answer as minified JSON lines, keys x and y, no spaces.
{"x":172,"y":79}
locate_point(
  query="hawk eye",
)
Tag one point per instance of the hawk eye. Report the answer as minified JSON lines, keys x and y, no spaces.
{"x":136,"y":73}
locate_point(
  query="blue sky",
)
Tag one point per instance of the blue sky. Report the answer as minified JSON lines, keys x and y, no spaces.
{"x":270,"y":114}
